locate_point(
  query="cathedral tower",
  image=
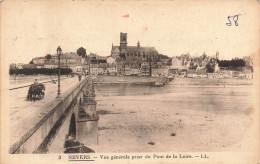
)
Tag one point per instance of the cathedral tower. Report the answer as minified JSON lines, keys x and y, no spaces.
{"x":123,"y":42}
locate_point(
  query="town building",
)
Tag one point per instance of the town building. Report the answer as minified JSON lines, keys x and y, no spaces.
{"x":177,"y":64}
{"x":102,"y":69}
{"x":213,"y":75}
{"x":136,"y":72}
{"x":39,"y":66}
{"x":111,"y":60}
{"x":93,"y":68}
{"x":67,"y":60}
{"x":194,"y":73}
{"x":111,"y":69}
{"x":160,"y":71}
{"x":145,"y":68}
{"x":39,"y":60}
{"x":92,"y":56}
{"x":120,"y":68}
{"x":50,"y":64}
{"x":128,"y":70}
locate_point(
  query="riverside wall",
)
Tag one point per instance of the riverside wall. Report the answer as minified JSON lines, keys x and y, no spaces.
{"x":138,"y":80}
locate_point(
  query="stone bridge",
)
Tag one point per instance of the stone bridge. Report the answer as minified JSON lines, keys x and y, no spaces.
{"x":71,"y":116}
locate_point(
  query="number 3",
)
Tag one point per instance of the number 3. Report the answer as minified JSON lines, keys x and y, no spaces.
{"x":59,"y":157}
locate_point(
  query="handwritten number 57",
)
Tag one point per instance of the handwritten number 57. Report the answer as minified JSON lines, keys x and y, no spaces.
{"x":235,"y":19}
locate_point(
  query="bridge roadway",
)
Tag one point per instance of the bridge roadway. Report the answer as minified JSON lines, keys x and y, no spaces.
{"x":23,"y":111}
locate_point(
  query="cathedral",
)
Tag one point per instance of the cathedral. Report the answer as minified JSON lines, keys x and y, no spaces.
{"x":133,"y":53}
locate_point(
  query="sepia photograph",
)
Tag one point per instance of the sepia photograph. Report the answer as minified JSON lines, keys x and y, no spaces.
{"x":135,"y":81}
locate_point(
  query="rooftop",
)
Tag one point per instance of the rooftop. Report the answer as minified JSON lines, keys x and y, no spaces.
{"x":133,"y":49}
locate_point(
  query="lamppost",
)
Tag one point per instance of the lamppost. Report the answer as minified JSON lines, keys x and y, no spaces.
{"x":15,"y":71}
{"x":59,"y":51}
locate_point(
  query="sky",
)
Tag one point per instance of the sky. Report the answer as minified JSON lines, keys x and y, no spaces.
{"x":35,"y":28}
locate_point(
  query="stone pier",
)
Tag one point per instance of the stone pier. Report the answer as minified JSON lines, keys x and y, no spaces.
{"x":87,"y":123}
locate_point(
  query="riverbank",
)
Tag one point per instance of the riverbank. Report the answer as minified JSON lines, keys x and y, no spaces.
{"x":133,"y":80}
{"x":206,"y":82}
{"x":177,"y":82}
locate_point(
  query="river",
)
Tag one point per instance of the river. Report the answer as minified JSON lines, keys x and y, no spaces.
{"x":185,"y":115}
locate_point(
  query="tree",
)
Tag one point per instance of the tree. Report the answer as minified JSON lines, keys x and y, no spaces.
{"x":48,"y":56}
{"x":234,"y":63}
{"x":81,"y":52}
{"x":102,"y":61}
{"x":33,"y":71}
{"x":210,"y":68}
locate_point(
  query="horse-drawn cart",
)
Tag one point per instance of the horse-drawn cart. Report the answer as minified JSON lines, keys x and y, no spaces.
{"x":36,"y":91}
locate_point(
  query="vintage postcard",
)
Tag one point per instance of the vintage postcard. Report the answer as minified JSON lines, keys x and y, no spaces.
{"x":133,"y":81}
